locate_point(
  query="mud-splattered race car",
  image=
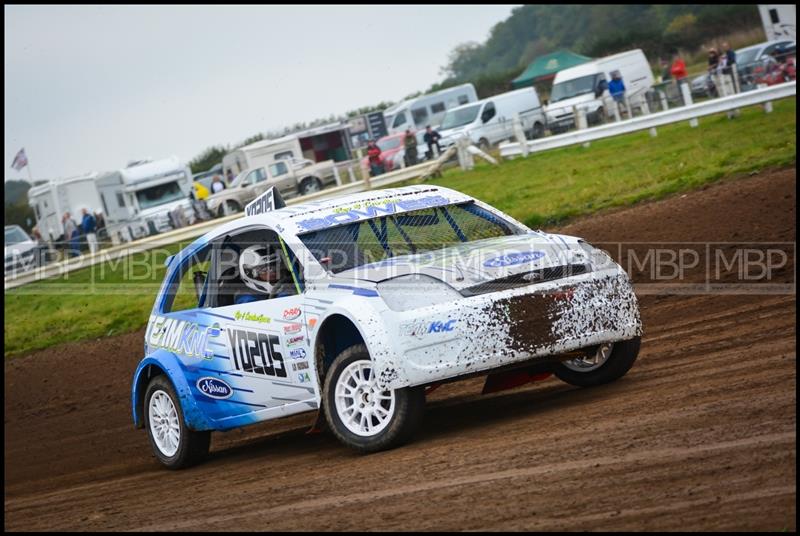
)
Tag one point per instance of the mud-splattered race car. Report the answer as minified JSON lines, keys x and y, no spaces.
{"x":354,"y":306}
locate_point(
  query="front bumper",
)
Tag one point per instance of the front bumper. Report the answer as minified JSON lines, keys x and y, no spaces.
{"x":502,"y":328}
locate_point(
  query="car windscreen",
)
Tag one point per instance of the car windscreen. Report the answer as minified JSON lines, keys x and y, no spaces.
{"x":159,"y":195}
{"x":572,"y":88}
{"x":744,"y":57}
{"x":15,"y":235}
{"x":460,"y":117}
{"x":387,"y":144}
{"x":355,"y":244}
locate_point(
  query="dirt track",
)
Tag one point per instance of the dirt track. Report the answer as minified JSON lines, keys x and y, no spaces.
{"x":701,"y":433}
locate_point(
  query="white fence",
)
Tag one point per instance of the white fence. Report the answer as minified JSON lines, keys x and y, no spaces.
{"x":651,"y":121}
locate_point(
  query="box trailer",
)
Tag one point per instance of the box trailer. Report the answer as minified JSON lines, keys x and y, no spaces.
{"x":51,"y":200}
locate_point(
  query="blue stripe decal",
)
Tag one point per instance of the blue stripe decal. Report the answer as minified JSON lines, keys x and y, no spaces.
{"x":357,"y":291}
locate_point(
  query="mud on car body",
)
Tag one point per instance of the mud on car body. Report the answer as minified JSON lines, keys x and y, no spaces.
{"x":386,"y":293}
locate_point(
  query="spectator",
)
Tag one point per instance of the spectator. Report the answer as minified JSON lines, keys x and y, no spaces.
{"x":229,"y":175}
{"x":374,"y":158}
{"x":71,"y":235}
{"x":432,"y":138}
{"x":616,"y":87}
{"x":89,"y":228}
{"x":713,"y":60}
{"x":217,"y":185}
{"x":728,"y":59}
{"x":101,"y":220}
{"x":410,"y":143}
{"x":678,"y":69}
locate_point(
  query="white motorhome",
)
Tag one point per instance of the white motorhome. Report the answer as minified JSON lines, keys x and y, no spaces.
{"x":779,"y":21}
{"x":263,"y":153}
{"x":584,"y":87}
{"x":428,"y":109}
{"x":51,"y":200}
{"x":139,"y":198}
{"x":490,"y":121}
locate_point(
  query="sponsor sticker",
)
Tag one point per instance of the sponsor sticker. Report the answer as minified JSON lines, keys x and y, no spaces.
{"x":291,"y":314}
{"x":300,"y":365}
{"x":303,"y":377}
{"x":421,"y":328}
{"x":297,"y":353}
{"x":214,"y":388}
{"x":251,"y":317}
{"x":292,"y":328}
{"x":181,"y":336}
{"x":510,"y":259}
{"x":297,"y":339}
{"x":312,"y":321}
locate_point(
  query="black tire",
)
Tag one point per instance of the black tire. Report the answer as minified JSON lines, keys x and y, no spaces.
{"x":408,"y":412}
{"x":234,"y":207}
{"x":310,"y":185}
{"x":484,"y":145}
{"x":192,"y":446}
{"x":537,"y":131}
{"x":623,"y":355}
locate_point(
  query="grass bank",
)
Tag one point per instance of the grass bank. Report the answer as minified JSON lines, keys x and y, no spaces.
{"x":542,"y":190}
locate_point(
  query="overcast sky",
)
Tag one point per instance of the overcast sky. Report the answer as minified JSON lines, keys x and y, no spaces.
{"x":88,"y":88}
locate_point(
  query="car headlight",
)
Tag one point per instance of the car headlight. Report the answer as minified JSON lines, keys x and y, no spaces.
{"x":600,"y":259}
{"x":412,"y":291}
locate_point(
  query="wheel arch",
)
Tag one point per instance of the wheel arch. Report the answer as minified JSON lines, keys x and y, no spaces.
{"x":165,"y":363}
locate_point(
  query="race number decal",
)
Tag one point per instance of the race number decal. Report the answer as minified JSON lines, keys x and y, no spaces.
{"x":256,"y":352}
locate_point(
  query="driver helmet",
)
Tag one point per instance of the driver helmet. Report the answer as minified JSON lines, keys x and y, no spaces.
{"x":259,"y":268}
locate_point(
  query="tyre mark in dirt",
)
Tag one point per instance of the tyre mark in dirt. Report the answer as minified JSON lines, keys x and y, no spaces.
{"x":378,"y":494}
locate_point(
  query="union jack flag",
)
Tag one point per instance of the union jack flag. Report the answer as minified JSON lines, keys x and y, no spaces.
{"x":20,"y":161}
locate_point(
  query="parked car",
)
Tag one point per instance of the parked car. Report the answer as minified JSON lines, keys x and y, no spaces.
{"x":21,"y":252}
{"x":291,"y":177}
{"x":352,"y":307}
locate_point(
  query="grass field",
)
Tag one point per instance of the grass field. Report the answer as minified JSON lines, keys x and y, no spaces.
{"x":541,"y":190}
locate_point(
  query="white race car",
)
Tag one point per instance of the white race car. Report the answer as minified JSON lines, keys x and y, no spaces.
{"x":352,"y":307}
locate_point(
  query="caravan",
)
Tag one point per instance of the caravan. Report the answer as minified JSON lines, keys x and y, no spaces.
{"x":144,"y":198}
{"x":425,"y":110}
{"x":51,"y":200}
{"x":583,"y":87}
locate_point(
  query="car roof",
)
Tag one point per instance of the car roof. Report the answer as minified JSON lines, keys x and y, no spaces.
{"x":292,"y":220}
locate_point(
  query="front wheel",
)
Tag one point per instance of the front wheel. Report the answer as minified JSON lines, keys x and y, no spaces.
{"x":229,"y":207}
{"x":360,"y":414}
{"x":484,"y":145}
{"x":173,"y":443}
{"x":608,"y":363}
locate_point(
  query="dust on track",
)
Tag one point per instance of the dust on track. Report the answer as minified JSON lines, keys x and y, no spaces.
{"x":701,"y":433}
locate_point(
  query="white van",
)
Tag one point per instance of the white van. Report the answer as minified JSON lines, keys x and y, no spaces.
{"x":52,"y":199}
{"x":429,"y":109}
{"x":490,"y":121}
{"x":584,"y":86}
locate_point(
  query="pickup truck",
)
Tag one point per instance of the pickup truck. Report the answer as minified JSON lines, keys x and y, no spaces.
{"x":291,"y":177}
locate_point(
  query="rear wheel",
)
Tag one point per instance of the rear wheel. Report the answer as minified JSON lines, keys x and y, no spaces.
{"x":537,"y":131}
{"x":310,"y":185}
{"x":360,"y":414}
{"x":484,"y":145}
{"x":610,"y":362}
{"x":173,"y":443}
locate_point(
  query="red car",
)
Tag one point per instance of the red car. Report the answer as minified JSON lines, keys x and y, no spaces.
{"x":390,"y":145}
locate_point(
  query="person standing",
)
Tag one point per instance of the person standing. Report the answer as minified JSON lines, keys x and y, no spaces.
{"x":678,"y":68}
{"x":616,"y":88}
{"x":729,"y":59}
{"x":229,"y":176}
{"x":432,"y":138}
{"x":71,"y":235}
{"x":410,"y":142}
{"x":89,"y":227}
{"x":217,"y":185}
{"x":374,"y":158}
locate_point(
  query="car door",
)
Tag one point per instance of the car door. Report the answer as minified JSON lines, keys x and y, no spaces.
{"x":264,"y":341}
{"x":282,"y":178}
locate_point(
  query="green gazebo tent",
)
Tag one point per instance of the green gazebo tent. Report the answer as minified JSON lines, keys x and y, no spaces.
{"x":545,"y":67}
